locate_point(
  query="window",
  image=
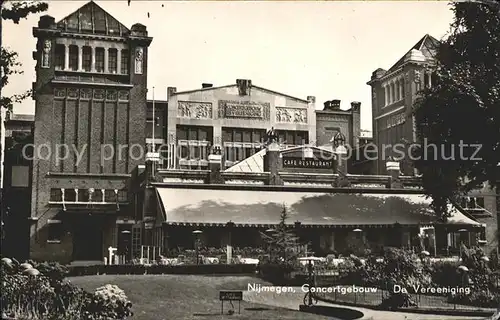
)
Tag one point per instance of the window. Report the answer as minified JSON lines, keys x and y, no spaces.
{"x":99,"y":59}
{"x":194,"y":142}
{"x":73,"y":58}
{"x":20,"y":176}
{"x":55,"y":195}
{"x":69,"y":195}
{"x":60,"y":56}
{"x":112,"y":60}
{"x":295,"y":138}
{"x":124,"y":68}
{"x":97,"y":195}
{"x":55,"y":231}
{"x":87,"y":59}
{"x":472,"y":203}
{"x":122,"y":195}
{"x":110,"y":196}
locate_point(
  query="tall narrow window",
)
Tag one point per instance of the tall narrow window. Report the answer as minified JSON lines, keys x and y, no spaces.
{"x":73,"y":58}
{"x":125,"y":59}
{"x":87,"y":59}
{"x":60,"y":52}
{"x":99,"y":59}
{"x":112,"y":60}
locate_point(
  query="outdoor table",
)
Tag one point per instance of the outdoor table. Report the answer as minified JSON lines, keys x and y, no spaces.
{"x":212,"y":260}
{"x":249,"y":261}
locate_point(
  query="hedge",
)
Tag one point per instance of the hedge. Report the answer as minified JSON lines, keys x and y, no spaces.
{"x":74,"y":271}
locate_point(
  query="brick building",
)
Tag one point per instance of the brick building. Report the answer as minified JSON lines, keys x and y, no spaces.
{"x":90,"y":93}
{"x":16,"y":194}
{"x":236,"y":118}
{"x":393,"y":94}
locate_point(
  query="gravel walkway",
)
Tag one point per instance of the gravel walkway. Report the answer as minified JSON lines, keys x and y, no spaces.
{"x":292,"y":300}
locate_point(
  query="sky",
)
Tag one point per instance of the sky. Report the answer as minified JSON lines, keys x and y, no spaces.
{"x":326,"y":49}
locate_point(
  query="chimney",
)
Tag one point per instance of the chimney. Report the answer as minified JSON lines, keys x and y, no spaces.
{"x":206,"y":85}
{"x":335,"y":104}
{"x":356,"y":122}
{"x":244,"y":86}
{"x":171,"y":91}
{"x":46,"y":22}
{"x":355,"y":106}
{"x":311,"y":102}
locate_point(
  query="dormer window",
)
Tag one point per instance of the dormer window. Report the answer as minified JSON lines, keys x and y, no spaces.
{"x":87,"y":59}
{"x":73,"y":57}
{"x":112,"y":60}
{"x":99,"y":59}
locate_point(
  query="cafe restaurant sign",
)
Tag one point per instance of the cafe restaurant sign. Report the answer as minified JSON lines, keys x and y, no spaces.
{"x":305,"y":163}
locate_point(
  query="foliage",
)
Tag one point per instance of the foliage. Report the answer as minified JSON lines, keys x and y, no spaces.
{"x":282,"y":242}
{"x":15,"y":11}
{"x":460,"y":112}
{"x":48,"y":296}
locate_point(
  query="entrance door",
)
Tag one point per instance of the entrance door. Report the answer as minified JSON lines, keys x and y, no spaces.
{"x":87,"y":239}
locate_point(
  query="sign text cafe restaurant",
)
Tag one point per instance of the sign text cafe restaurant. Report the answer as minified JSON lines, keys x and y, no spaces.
{"x":333,"y":220}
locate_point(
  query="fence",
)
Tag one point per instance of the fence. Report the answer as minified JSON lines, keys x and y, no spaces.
{"x":373,"y":297}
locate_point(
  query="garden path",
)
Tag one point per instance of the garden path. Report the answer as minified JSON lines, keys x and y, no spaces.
{"x":293,"y":300}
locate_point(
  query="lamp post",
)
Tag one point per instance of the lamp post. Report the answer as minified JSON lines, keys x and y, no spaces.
{"x":269,"y":231}
{"x":463,"y":271}
{"x":461,"y":242}
{"x":196,"y":238}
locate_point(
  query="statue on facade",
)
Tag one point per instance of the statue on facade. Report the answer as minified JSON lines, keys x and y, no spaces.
{"x":47,"y":45}
{"x":138,"y":60}
{"x":271,"y":136}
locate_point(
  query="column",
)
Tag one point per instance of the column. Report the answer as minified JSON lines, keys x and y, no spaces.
{"x":106,"y":60}
{"x":119,"y":61}
{"x":401,"y":86}
{"x":429,"y":77}
{"x":390,"y":93}
{"x":385,"y":95}
{"x":66,"y":57}
{"x":92,"y":66}
{"x":80,"y":58}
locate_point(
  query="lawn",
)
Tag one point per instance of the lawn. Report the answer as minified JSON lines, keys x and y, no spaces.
{"x":184,"y":297}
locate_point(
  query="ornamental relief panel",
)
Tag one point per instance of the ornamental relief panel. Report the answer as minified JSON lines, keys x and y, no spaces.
{"x":291,"y":115}
{"x":194,"y":110}
{"x":249,"y":110}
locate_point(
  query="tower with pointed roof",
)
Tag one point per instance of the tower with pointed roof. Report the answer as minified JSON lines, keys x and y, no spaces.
{"x":90,"y":93}
{"x":393,"y":93}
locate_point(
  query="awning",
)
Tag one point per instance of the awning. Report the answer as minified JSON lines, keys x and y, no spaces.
{"x":183,"y":206}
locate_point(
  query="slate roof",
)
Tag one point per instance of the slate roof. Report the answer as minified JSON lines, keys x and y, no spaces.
{"x":93,"y":19}
{"x":427,"y":45}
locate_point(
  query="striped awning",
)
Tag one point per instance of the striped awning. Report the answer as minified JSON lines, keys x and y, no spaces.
{"x":209,"y":207}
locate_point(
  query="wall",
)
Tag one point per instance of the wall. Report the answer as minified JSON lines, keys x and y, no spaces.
{"x":213,"y":99}
{"x":85,"y":111}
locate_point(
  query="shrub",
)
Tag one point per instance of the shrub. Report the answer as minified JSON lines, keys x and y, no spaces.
{"x":47,"y":295}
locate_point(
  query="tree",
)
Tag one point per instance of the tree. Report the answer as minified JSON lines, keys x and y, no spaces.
{"x":13,"y":11}
{"x":282,"y":241}
{"x":460,"y":113}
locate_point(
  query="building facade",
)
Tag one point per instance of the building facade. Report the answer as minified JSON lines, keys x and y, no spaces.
{"x":16,"y":194}
{"x":236,"y":117}
{"x":90,"y":117}
{"x":393,"y":93}
{"x":93,"y":186}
